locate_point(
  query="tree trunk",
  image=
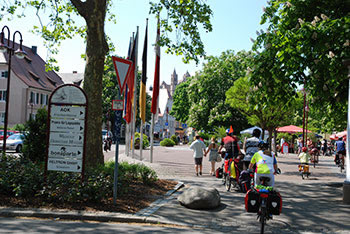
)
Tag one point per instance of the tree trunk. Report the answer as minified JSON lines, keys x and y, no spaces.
{"x":94,"y":12}
{"x":275,"y":140}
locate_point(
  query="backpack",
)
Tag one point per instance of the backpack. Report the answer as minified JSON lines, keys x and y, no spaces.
{"x":244,"y":181}
{"x":218,"y":172}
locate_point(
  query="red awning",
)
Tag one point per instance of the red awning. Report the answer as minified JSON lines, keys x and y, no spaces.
{"x":290,"y":129}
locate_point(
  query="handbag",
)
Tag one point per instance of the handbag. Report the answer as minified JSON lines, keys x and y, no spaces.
{"x":218,"y":158}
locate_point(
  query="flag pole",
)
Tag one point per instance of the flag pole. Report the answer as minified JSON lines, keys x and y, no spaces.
{"x":135,"y":95}
{"x":152,"y":136}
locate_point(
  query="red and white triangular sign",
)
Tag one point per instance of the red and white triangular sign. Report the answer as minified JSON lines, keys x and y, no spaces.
{"x":122,"y":68}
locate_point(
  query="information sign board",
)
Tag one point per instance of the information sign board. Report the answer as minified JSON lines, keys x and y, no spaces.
{"x":117,"y":105}
{"x":67,"y":128}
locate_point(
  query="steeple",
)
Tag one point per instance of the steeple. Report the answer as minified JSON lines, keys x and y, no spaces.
{"x":174,"y":82}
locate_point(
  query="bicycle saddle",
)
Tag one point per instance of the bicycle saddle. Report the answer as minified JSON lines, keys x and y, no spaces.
{"x":267,"y":179}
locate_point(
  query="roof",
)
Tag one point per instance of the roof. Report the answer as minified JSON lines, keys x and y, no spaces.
{"x":72,"y":78}
{"x":31,"y":70}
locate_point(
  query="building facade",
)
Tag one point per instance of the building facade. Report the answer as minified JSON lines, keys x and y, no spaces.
{"x":30,"y":86}
{"x":166,"y":125}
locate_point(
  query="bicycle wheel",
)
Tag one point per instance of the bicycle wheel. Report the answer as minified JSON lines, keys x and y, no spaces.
{"x":302,"y":175}
{"x":262,"y":220}
{"x":314,"y":161}
{"x":223,"y":180}
{"x":228,"y":183}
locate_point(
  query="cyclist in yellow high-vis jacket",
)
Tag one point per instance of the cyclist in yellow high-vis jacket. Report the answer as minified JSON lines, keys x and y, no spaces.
{"x":266,"y":164}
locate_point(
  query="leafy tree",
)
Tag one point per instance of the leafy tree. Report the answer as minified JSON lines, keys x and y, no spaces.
{"x":181,"y":102}
{"x":34,"y":143}
{"x":207,"y":90}
{"x":185,"y":15}
{"x":308,"y":41}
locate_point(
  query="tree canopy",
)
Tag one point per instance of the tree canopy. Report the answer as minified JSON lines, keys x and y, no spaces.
{"x":185,"y":15}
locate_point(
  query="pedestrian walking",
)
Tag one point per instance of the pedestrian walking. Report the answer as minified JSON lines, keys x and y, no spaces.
{"x":198,"y":148}
{"x":213,"y":154}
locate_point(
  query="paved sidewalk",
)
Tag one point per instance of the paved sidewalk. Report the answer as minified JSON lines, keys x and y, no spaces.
{"x":313,"y":205}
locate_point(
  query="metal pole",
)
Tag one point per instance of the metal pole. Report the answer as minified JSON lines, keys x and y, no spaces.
{"x":117,"y":126}
{"x":9,"y":51}
{"x":152,"y":139}
{"x":304,"y":115}
{"x":347,"y":160}
{"x":135,"y":94}
{"x":141,"y":140}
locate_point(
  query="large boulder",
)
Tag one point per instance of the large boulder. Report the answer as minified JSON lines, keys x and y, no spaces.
{"x":200,"y":198}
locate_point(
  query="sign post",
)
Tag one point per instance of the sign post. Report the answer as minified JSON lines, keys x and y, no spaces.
{"x":66,"y":130}
{"x":122,"y":68}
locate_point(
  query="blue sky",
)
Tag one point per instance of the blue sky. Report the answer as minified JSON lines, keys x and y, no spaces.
{"x":234,"y":23}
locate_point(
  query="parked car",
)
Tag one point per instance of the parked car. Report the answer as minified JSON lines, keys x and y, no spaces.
{"x":14,"y":142}
{"x":9,"y":133}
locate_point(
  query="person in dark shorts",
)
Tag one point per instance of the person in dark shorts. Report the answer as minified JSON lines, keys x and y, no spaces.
{"x":198,"y":148}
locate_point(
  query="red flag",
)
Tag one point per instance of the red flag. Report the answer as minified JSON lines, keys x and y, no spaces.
{"x":156,"y":74}
{"x":130,"y":83}
{"x":231,"y":129}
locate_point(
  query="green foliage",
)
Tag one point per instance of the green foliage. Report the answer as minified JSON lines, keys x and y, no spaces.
{"x":167,"y":142}
{"x":181,"y":103}
{"x":220,"y":132}
{"x":174,"y":139}
{"x":204,"y":135}
{"x":145,"y":141}
{"x":34,"y":143}
{"x":184,"y":18}
{"x":306,"y":44}
{"x":19,"y":127}
{"x":22,"y":178}
{"x":206,"y":92}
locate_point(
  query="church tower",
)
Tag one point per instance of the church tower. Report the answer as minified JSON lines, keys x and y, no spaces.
{"x":174,"y":82}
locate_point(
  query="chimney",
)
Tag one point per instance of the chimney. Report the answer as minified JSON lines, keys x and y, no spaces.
{"x":34,"y":49}
{"x":75,"y":72}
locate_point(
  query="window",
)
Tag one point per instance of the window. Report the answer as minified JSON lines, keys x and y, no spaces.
{"x":42,"y":99}
{"x":2,"y":95}
{"x":37,"y":98}
{"x":31,"y":99}
{"x":3,"y":74}
{"x":2,"y":117}
{"x":46,"y":99}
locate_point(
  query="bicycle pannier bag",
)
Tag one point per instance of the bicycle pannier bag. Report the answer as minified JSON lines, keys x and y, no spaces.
{"x":252,"y":201}
{"x":274,"y":202}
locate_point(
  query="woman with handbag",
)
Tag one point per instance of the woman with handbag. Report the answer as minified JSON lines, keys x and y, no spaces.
{"x":213,"y":154}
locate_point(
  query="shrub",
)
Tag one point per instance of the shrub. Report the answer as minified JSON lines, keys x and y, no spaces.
{"x":174,"y":138}
{"x":22,"y":178}
{"x":19,"y":127}
{"x":167,"y":142}
{"x":34,"y":144}
{"x":145,"y":141}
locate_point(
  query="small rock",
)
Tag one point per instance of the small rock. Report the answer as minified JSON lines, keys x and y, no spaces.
{"x":200,"y":198}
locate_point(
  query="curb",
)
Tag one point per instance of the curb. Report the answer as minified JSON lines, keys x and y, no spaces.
{"x":140,"y":217}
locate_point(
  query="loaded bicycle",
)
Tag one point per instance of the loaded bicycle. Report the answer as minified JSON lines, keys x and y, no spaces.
{"x":263,"y":200}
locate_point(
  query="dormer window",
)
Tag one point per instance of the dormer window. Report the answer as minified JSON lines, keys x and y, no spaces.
{"x":3,"y":74}
{"x":29,"y":60}
{"x":35,"y":76}
{"x":51,"y":81}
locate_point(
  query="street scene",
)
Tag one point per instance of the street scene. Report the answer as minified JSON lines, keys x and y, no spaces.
{"x":175,"y":116}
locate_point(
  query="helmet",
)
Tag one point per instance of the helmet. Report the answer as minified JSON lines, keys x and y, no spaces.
{"x":263,"y":145}
{"x":304,"y":149}
{"x":228,"y":131}
{"x":256,"y":132}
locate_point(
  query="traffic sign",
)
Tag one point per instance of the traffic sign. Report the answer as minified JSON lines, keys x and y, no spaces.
{"x":68,"y":165}
{"x":122,"y":69}
{"x":184,"y":125}
{"x":73,"y":112}
{"x":166,"y":124}
{"x":65,"y":152}
{"x":66,"y":139}
{"x":67,"y":125}
{"x":117,"y":105}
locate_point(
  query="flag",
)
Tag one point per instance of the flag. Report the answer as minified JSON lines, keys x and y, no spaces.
{"x":130,"y":83}
{"x":126,"y":86}
{"x":231,"y":129}
{"x":144,"y":79}
{"x":156,"y":74}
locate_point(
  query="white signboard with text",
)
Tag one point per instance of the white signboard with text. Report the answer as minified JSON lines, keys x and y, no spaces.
{"x":67,"y":121}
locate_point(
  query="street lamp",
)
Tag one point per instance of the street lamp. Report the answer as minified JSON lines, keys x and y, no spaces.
{"x":20,"y":53}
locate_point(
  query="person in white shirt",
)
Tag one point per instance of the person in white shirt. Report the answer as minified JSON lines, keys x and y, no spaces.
{"x":198,"y":148}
